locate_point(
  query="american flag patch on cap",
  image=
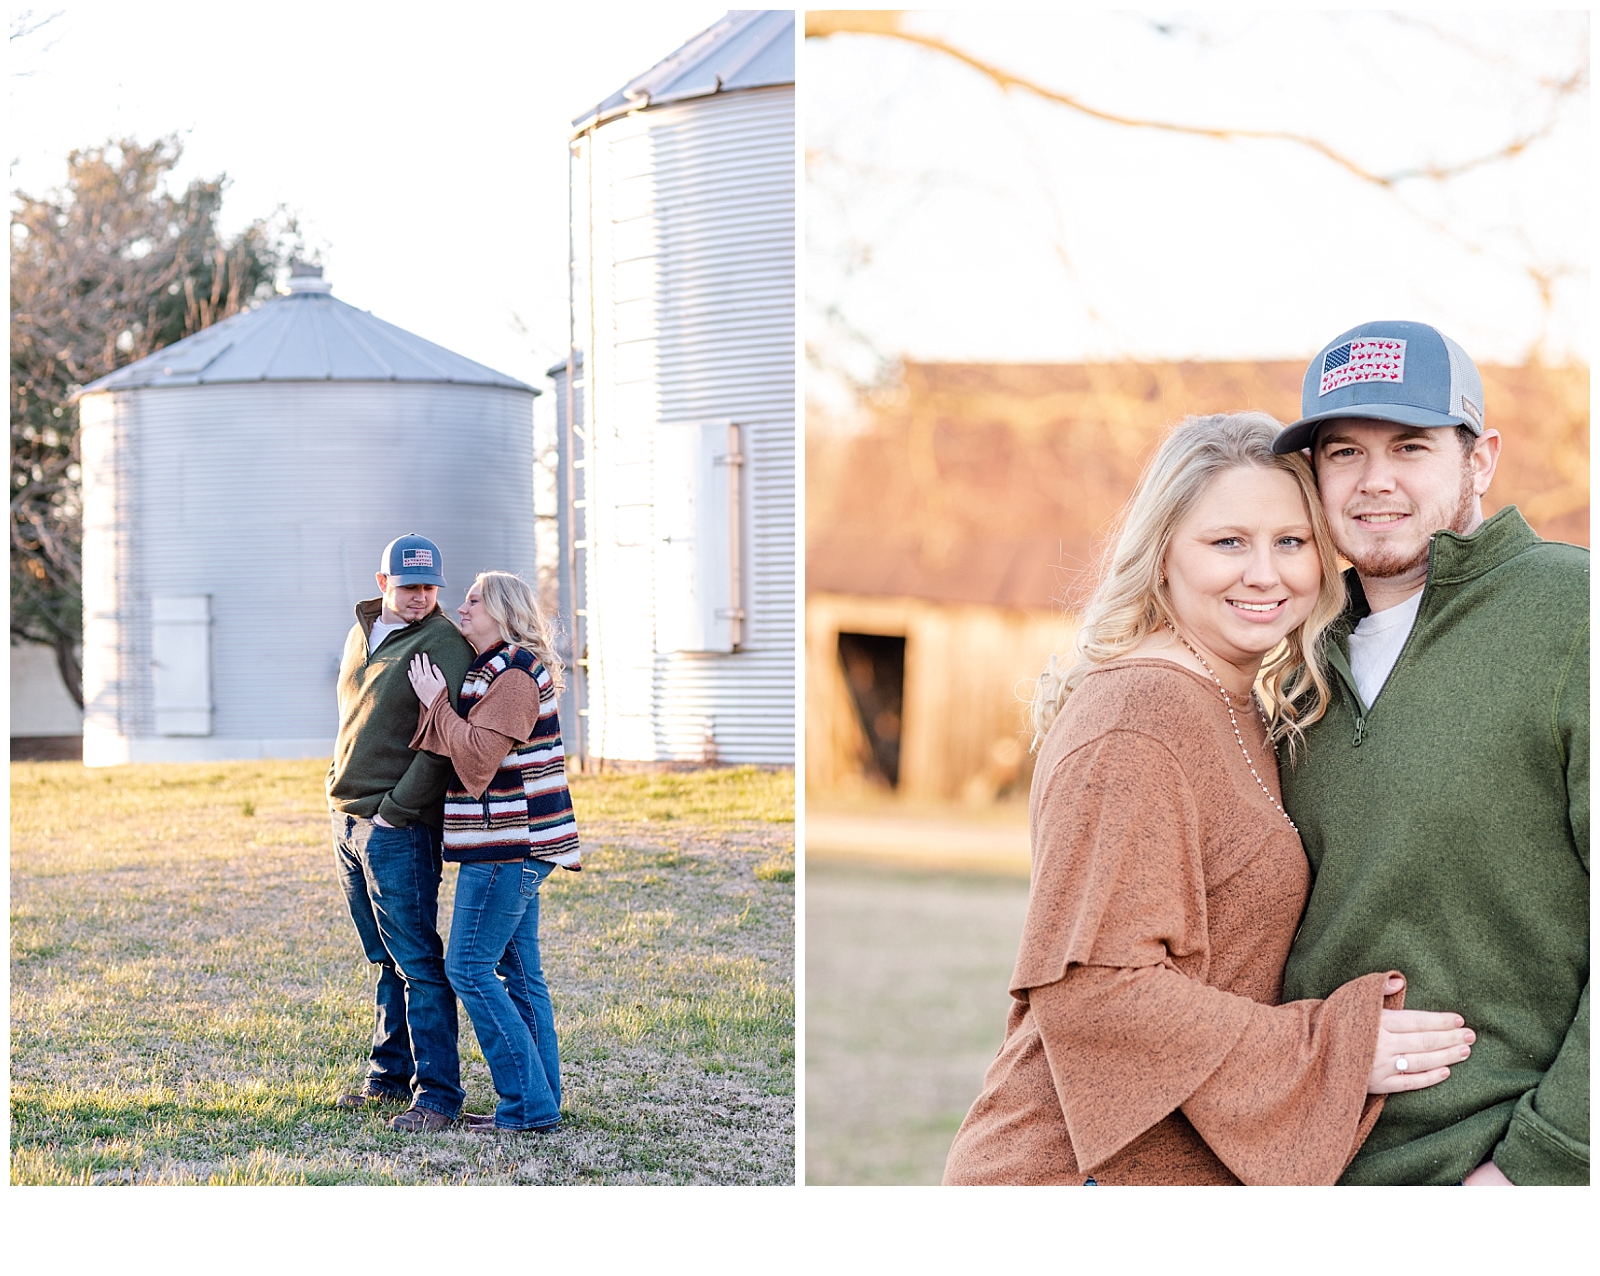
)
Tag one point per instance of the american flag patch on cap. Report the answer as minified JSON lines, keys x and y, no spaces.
{"x":416,"y":557}
{"x":1370,"y":359}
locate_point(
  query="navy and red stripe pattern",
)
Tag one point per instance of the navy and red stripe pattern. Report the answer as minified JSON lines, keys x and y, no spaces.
{"x":527,"y":808}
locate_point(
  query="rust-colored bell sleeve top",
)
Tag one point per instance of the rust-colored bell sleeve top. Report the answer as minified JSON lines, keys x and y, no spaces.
{"x":1145,"y":1043}
{"x":477,"y":744}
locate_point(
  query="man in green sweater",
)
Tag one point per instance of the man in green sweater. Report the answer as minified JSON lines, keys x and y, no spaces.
{"x":1444,"y":797}
{"x":387,"y":803}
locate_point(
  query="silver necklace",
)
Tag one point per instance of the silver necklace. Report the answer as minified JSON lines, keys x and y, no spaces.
{"x":1237,"y":734}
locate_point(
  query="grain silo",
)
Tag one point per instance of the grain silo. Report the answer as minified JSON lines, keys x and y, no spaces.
{"x":238,"y":487}
{"x":679,"y":431}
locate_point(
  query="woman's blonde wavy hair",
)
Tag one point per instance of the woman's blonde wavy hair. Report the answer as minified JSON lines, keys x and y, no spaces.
{"x":513,"y":605}
{"x":1130,"y":599}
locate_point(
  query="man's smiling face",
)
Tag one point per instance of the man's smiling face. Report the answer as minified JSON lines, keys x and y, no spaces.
{"x":1388,"y":488}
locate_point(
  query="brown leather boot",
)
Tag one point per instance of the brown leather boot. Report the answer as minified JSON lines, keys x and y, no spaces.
{"x":415,"y":1120}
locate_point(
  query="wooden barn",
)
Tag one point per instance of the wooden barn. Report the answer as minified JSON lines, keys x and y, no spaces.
{"x":946,"y":541}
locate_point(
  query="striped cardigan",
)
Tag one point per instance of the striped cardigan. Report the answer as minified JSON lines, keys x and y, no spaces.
{"x":527,"y":809}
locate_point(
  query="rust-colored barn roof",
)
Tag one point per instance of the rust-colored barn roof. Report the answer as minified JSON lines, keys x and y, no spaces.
{"x":995,"y":483}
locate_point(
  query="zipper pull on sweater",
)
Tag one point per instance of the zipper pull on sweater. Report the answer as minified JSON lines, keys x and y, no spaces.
{"x":1341,"y":666}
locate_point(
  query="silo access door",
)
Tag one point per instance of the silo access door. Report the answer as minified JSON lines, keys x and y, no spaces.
{"x":180,"y":650}
{"x":699,"y":520}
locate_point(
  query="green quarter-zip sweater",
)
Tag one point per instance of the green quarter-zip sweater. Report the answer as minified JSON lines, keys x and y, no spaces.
{"x":1447,"y":826}
{"x":375,"y":771}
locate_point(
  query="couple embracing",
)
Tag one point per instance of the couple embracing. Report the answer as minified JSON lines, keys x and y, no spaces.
{"x":1310,"y":890}
{"x":449,"y":748}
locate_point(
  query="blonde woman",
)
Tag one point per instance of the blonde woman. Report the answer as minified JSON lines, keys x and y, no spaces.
{"x":1145,"y":1042}
{"x":508,"y":822}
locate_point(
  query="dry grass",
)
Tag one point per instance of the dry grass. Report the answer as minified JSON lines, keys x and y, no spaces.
{"x":906,"y":1002}
{"x":187,"y":995}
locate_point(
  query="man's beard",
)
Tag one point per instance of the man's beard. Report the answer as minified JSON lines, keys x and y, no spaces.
{"x":1386,"y":564}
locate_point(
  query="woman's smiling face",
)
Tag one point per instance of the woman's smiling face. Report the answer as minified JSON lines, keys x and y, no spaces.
{"x":1242,"y":568}
{"x":477,"y":626}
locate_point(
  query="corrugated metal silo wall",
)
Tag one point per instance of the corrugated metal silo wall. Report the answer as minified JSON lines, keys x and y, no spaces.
{"x":275,"y":499}
{"x":686,"y":312}
{"x":116,"y":633}
{"x":568,"y":401}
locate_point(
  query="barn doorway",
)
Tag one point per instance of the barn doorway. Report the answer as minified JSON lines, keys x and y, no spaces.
{"x":875,"y":671}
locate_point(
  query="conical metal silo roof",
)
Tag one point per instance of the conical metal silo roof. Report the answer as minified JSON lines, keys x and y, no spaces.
{"x":745,"y":49}
{"x":306,"y":335}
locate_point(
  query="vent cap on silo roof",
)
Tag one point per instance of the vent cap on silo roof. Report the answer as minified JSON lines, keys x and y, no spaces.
{"x":306,"y":334}
{"x":304,"y":277}
{"x":744,"y":49}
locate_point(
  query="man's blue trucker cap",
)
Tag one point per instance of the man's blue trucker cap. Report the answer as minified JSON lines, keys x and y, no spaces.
{"x":1391,"y":370}
{"x":412,"y":560}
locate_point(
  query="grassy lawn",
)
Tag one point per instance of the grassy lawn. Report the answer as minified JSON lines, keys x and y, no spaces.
{"x":188,"y":996}
{"x":906,"y":1002}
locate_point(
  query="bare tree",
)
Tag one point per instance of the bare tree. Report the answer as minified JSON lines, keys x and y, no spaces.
{"x":840,"y":347}
{"x":886,"y":22}
{"x":103,"y":272}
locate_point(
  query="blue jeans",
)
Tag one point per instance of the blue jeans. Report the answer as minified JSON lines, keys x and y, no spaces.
{"x":493,"y":965}
{"x":391,"y":882}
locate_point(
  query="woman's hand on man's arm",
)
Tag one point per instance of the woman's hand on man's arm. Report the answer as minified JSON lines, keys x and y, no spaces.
{"x":426,"y":680}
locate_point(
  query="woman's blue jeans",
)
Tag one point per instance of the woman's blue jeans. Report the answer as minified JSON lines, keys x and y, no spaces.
{"x":493,"y":964}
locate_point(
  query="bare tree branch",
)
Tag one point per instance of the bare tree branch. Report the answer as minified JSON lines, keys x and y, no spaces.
{"x":886,"y":22}
{"x":1445,"y":35}
{"x":25,"y":24}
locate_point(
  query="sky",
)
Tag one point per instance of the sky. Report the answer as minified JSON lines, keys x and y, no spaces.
{"x":426,"y":157}
{"x":946,"y":219}
{"x":423,"y":148}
